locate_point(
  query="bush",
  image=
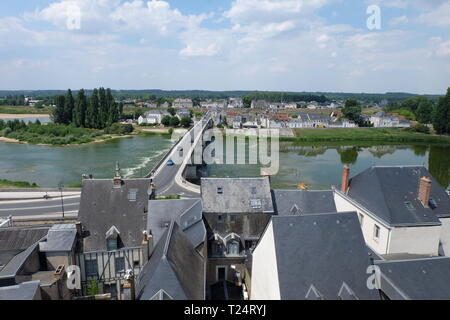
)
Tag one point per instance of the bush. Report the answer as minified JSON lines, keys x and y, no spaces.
{"x":174,"y":122}
{"x":6,"y":131}
{"x":421,"y":128}
{"x":118,"y":128}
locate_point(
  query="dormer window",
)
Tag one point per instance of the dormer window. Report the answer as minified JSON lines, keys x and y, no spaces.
{"x":112,"y":239}
{"x":294,"y":210}
{"x":219,"y":190}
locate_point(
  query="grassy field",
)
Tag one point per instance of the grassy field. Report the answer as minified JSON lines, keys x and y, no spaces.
{"x":24,"y":110}
{"x":16,"y":184}
{"x":365,"y":134}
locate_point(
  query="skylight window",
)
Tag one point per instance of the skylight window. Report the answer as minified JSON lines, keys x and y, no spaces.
{"x":132,"y":195}
{"x":256,"y":203}
{"x":219,"y":190}
{"x":409,"y":205}
{"x":432,"y":204}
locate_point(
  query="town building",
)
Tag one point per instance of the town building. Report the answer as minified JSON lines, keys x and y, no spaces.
{"x":381,"y":120}
{"x":312,"y":257}
{"x":113,"y":215}
{"x":236,"y":212}
{"x":402,"y":209}
{"x":153,"y":117}
{"x":183,"y":103}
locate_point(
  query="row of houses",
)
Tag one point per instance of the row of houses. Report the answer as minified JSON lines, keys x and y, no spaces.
{"x":299,"y":120}
{"x":155,"y":117}
{"x":242,"y":240}
{"x":381,"y":120}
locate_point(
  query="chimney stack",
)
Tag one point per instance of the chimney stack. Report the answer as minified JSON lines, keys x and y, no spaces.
{"x":345,"y":177}
{"x":424,"y":191}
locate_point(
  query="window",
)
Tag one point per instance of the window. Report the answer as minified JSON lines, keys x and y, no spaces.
{"x":256,"y":203}
{"x":111,"y":243}
{"x":219,"y":218}
{"x":250,"y":244}
{"x":233,"y":247}
{"x":136,"y":263}
{"x":221,"y":273}
{"x":217,"y":248}
{"x":376,"y":232}
{"x":253,"y":190}
{"x":219,"y":190}
{"x":132,"y":195}
{"x":91,"y":268}
{"x":409,"y":205}
{"x":120,"y":264}
{"x":233,"y":218}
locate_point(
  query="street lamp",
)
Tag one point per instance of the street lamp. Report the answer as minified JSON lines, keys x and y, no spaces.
{"x":60,"y":187}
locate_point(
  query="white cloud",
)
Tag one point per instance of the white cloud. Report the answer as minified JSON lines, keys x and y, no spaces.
{"x":438,"y":16}
{"x":398,"y":21}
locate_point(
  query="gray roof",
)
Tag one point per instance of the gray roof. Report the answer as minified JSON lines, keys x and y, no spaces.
{"x":239,"y":195}
{"x":103,"y":206}
{"x":175,"y":267}
{"x":60,"y":237}
{"x":16,"y":240}
{"x":295,"y":202}
{"x":324,"y":251}
{"x":23,"y":291}
{"x":384,"y":191}
{"x":417,"y":279}
{"x":187,"y":213}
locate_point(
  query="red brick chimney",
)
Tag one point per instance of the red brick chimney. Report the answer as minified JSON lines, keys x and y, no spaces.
{"x":424,"y":191}
{"x":345,"y":177}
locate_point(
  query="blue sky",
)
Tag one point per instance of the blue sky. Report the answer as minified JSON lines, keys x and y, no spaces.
{"x":288,"y":45}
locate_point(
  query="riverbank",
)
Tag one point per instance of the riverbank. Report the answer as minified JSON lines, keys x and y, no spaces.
{"x":6,"y":116}
{"x":382,"y":135}
{"x":6,"y":184}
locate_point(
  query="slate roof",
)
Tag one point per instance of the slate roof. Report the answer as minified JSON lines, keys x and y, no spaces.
{"x":16,"y":240}
{"x":175,"y":267}
{"x":22,"y":291}
{"x":237,"y":195}
{"x":323,"y":251}
{"x":103,"y":206}
{"x":295,"y":202}
{"x":384,"y":191}
{"x":187,"y":213}
{"x":416,"y":279}
{"x":60,"y":237}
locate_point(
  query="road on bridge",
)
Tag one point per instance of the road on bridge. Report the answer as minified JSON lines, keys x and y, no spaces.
{"x":165,"y":177}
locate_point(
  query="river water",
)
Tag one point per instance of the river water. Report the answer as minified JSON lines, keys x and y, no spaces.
{"x":320,"y":167}
{"x":317,"y":166}
{"x":48,"y":166}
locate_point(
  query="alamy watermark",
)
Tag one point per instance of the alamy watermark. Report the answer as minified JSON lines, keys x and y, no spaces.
{"x":374,"y":19}
{"x":231,"y":147}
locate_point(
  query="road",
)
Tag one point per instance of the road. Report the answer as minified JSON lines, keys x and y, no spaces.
{"x":167,"y":179}
{"x":44,"y":208}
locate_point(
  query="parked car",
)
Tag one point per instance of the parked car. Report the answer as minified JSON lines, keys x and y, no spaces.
{"x":170,"y":163}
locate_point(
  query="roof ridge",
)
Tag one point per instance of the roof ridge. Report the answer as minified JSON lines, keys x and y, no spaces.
{"x":413,"y":260}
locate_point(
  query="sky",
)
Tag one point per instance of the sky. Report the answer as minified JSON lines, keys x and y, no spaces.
{"x":279,"y":45}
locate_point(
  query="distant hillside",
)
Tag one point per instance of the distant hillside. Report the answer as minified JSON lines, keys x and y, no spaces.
{"x":204,"y":94}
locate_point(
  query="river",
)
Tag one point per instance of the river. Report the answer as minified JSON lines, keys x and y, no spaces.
{"x":320,"y":167}
{"x":48,"y":166}
{"x":317,"y":166}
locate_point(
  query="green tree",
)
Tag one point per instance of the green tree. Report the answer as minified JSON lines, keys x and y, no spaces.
{"x":79,"y":112}
{"x":171,"y":111}
{"x":424,"y":113}
{"x":58,"y":112}
{"x":103,"y":109}
{"x":68,"y":107}
{"x":92,"y":111}
{"x":441,"y":119}
{"x":174,"y":122}
{"x":352,"y":110}
{"x":185,"y":122}
{"x":166,"y":121}
{"x":113,"y":109}
{"x":92,"y":288}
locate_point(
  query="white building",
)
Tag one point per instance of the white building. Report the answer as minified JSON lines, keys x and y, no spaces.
{"x":401,"y":209}
{"x":152,"y":117}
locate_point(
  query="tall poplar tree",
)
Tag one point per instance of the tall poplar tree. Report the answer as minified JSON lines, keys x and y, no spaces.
{"x":92,"y":111}
{"x":441,"y":119}
{"x":79,"y":112}
{"x":58,"y":112}
{"x":68,"y":107}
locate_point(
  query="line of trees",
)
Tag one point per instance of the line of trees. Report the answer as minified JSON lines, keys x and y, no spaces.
{"x":97,"y":111}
